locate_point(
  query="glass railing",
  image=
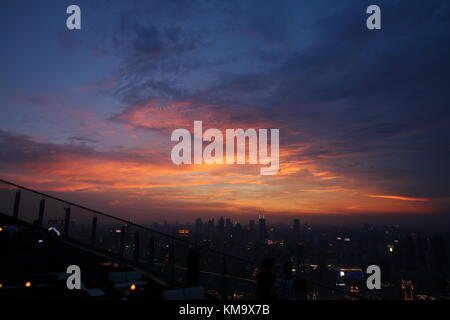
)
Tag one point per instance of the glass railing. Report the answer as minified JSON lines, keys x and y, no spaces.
{"x":222,"y":275}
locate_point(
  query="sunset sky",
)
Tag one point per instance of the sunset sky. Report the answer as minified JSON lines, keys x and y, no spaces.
{"x":364,"y":116}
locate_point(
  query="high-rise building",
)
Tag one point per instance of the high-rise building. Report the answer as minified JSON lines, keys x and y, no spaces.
{"x":262,"y":227}
{"x":439,"y":251}
{"x":296,"y":225}
{"x":296,"y":229}
{"x":219,"y":234}
{"x":251,"y":226}
{"x":198,"y":231}
{"x":198,"y":225}
{"x":221,"y":224}
{"x":210,"y":228}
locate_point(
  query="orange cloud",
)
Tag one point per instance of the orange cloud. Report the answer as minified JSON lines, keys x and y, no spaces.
{"x":147,"y":178}
{"x":397,"y":197}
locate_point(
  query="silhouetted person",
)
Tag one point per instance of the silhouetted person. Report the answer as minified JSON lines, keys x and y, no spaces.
{"x":285,"y":284}
{"x":265,"y":281}
{"x":193,"y":266}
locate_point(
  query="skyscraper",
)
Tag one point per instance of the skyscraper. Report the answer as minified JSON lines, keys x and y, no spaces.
{"x":251,"y":226}
{"x":198,"y":233}
{"x":296,"y":229}
{"x":262,"y":227}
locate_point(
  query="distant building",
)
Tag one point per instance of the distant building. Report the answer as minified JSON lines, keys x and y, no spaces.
{"x":296,"y":225}
{"x":221,"y":224}
{"x":251,"y":226}
{"x":228,"y":223}
{"x":262,"y":229}
{"x":198,"y":225}
{"x":296,"y":229}
{"x":439,"y":252}
{"x":198,"y":231}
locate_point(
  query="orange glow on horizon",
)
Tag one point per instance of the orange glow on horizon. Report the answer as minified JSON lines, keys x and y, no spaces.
{"x":398,"y":198}
{"x":147,"y":178}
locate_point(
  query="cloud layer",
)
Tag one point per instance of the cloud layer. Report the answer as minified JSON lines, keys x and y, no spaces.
{"x":363,"y":116}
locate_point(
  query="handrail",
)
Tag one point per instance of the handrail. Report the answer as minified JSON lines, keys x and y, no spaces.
{"x":119,"y":219}
{"x":251,"y":263}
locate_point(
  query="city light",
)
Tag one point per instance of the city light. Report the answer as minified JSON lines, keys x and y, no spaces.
{"x":133,"y":287}
{"x":183,"y":232}
{"x":354,"y":289}
{"x":28,"y":284}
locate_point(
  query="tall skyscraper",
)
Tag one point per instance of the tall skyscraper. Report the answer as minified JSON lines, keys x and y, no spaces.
{"x":221,"y":224}
{"x":296,"y":229}
{"x":198,"y":225}
{"x":252,"y":226}
{"x":296,"y":226}
{"x":228,"y":223}
{"x":198,"y":233}
{"x":262,"y":228}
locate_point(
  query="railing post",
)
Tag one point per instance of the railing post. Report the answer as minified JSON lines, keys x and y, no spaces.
{"x":41,"y":212}
{"x":136,"y":246}
{"x":93,"y":230}
{"x":224,"y":289}
{"x":172,"y":258}
{"x":16,"y":205}
{"x":122,"y":241}
{"x":66,"y":222}
{"x":151,"y":251}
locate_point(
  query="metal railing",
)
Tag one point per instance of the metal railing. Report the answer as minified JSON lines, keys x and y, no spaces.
{"x":223,"y":275}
